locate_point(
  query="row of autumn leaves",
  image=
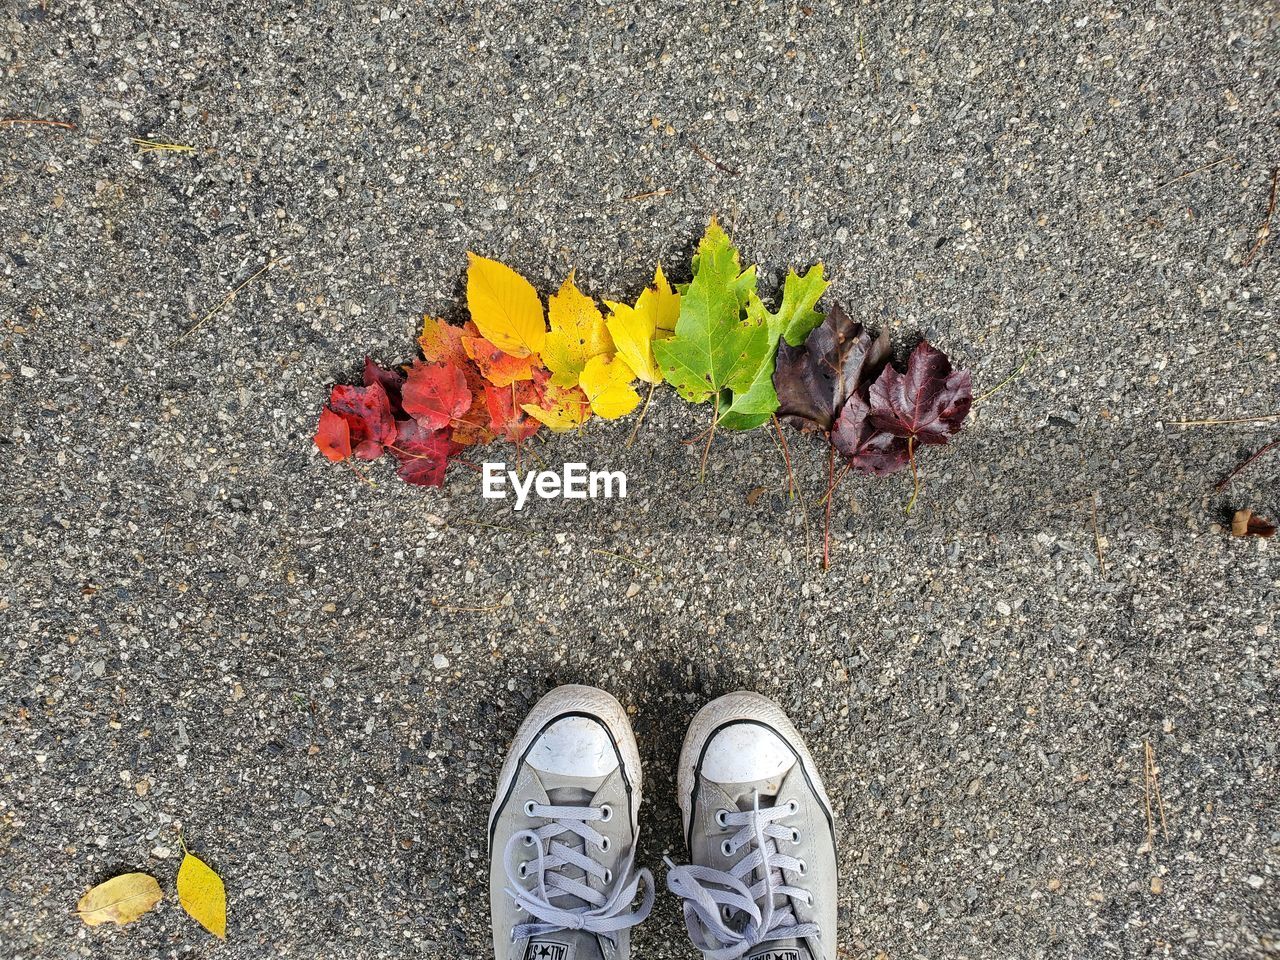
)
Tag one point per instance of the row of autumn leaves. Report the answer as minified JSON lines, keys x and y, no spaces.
{"x":509,"y":371}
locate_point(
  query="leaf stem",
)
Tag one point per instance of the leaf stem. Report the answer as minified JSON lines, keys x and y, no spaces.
{"x":711,"y":434}
{"x":915,"y":474}
{"x":352,"y":467}
{"x":831,"y":486}
{"x":643,"y":410}
{"x":786,"y":457}
{"x":843,"y":474}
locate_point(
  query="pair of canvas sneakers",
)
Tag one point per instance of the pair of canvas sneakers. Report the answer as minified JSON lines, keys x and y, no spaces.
{"x":563,"y":882}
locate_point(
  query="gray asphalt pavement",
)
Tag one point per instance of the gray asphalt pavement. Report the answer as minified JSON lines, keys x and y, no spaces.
{"x":207,"y":627}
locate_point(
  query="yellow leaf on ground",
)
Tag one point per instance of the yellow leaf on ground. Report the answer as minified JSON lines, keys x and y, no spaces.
{"x":202,"y":895}
{"x":121,"y":899}
{"x":607,"y":384}
{"x":578,"y":333}
{"x":562,"y":408}
{"x":504,"y":307}
{"x":635,"y":328}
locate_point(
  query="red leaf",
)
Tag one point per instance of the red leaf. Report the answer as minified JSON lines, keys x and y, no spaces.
{"x":442,"y":342}
{"x":436,"y":394}
{"x":506,"y":419}
{"x":367,"y":412}
{"x":392,"y":381}
{"x":423,"y":454}
{"x":333,"y":436}
{"x":866,"y":448}
{"x":928,"y":402}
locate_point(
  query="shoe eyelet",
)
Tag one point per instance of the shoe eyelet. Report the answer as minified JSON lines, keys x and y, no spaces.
{"x":801,"y":869}
{"x":793,"y":807}
{"x":606,"y":813}
{"x":528,"y":840}
{"x":795,"y":835}
{"x":523,"y":870}
{"x":528,"y":808}
{"x":605,"y":844}
{"x":722,"y":818}
{"x":726,"y":848}
{"x":608,"y":876}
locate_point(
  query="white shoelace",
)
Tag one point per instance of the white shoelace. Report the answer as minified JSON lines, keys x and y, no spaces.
{"x":712,"y":897}
{"x":603,"y":913}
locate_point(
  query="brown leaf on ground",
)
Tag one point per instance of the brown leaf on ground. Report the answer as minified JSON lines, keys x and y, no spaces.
{"x":1246,"y":523}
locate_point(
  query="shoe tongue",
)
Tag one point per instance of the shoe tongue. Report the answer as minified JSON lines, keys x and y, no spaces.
{"x":777,"y":951}
{"x":572,"y":791}
{"x":566,"y":945}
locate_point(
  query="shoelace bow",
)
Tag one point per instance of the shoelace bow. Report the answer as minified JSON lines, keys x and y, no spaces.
{"x":712,"y":896}
{"x":601,"y":913}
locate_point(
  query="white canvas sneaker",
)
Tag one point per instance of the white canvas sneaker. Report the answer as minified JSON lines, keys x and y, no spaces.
{"x":562,"y":833}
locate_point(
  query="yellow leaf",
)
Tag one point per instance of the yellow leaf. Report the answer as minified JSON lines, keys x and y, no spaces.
{"x":505,"y":307}
{"x":202,"y":895}
{"x":578,"y":333}
{"x":635,"y":328}
{"x":121,"y":899}
{"x":607,"y":384}
{"x":562,"y":409}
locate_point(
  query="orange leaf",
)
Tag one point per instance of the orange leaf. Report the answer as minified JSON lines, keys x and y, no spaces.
{"x":499,"y":368}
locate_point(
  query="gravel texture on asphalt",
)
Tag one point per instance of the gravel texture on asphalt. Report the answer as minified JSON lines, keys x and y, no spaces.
{"x":209,"y":629}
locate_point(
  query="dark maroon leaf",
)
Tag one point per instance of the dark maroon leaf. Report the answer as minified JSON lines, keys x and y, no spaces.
{"x":928,"y":402}
{"x":866,"y":448}
{"x":392,"y":382}
{"x":423,"y":454}
{"x":368,"y":414}
{"x":813,"y":380}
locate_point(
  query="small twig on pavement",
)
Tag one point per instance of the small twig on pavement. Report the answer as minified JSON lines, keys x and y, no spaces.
{"x":1239,"y":467}
{"x":665,"y":191}
{"x":229,"y":297}
{"x":1097,"y":537}
{"x":36,"y":122}
{"x":712,"y":160}
{"x":1192,"y":173}
{"x":1010,"y":378}
{"x":531,"y":534}
{"x":638,"y":564}
{"x":1264,"y":229}
{"x":157,"y":146}
{"x":1217,"y":423}
{"x":446,"y":608}
{"x":1151,"y":791}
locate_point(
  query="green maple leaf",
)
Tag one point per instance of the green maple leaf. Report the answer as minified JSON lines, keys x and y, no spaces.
{"x":749,"y":408}
{"x":713,"y":349}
